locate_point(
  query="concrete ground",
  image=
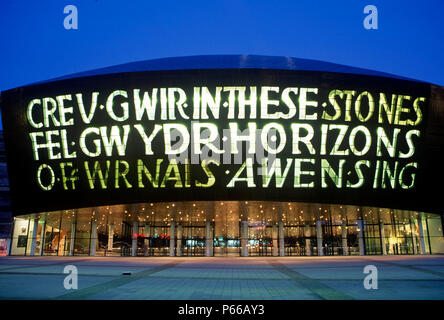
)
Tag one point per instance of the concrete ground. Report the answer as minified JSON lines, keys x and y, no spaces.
{"x":196,"y":278}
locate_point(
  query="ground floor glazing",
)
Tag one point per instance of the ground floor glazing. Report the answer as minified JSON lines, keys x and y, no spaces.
{"x":228,"y":228}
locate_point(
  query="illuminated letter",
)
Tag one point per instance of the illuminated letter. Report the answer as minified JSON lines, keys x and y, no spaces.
{"x":148,"y":140}
{"x":332,"y":100}
{"x":335,"y":177}
{"x":382,"y":137}
{"x":65,"y":146}
{"x":141,"y":168}
{"x":97,"y":171}
{"x":298,"y":173}
{"x":375,"y":181}
{"x":296,"y":128}
{"x":52,"y":179}
{"x":49,"y":112}
{"x":361,"y":179}
{"x":400,"y":110}
{"x":289,"y":103}
{"x":87,"y":118}
{"x":196,"y":102}
{"x":348,"y":102}
{"x":324,"y":130}
{"x":248,"y":164}
{"x":371,"y":106}
{"x":187,"y":173}
{"x":386,"y":171}
{"x":163,"y":104}
{"x":123,"y":174}
{"x":304,"y":103}
{"x":51,"y":145}
{"x":210,"y":175}
{"x":408,"y":138}
{"x":180,"y":104}
{"x":147,"y":105}
{"x":383,"y":105}
{"x":182,"y":129}
{"x":73,"y":176}
{"x":35,"y":145}
{"x":252,"y":102}
{"x":341,"y":135}
{"x":235,"y":138}
{"x":172,"y":166}
{"x":115,"y":139}
{"x":64,"y":110}
{"x":208,"y":101}
{"x":418,"y":112}
{"x":231,"y":101}
{"x":83,"y":136}
{"x":401,"y":175}
{"x":265,"y":102}
{"x":275,"y":168}
{"x":368,"y":140}
{"x":124,"y":105}
{"x":276,"y":127}
{"x":29,"y":113}
{"x":213,"y":135}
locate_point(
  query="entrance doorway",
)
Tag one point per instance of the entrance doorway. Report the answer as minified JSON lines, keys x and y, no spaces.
{"x":156,"y":241}
{"x":225,"y":246}
{"x":332,"y":238}
{"x":260,"y":241}
{"x":294,"y":240}
{"x":193,"y":241}
{"x":226,"y":239}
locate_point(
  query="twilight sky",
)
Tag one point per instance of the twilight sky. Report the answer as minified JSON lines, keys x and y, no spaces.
{"x":36,"y":46}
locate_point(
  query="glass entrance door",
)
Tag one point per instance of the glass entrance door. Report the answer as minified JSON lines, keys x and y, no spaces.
{"x":226,"y":241}
{"x":225,"y":246}
{"x":294,"y":240}
{"x":400,"y":241}
{"x":122,"y":242}
{"x":193,"y":241}
{"x":157,"y":241}
{"x":332,"y":238}
{"x":372,"y":239}
{"x":260,"y":241}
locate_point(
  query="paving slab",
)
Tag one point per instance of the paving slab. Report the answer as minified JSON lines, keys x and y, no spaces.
{"x":227,"y":278}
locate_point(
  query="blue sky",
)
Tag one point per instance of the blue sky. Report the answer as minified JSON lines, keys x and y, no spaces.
{"x":35,"y":45}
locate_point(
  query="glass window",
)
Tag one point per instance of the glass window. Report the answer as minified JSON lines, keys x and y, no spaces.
{"x":83,"y":232}
{"x":434,"y":227}
{"x":19,"y":241}
{"x":51,"y":238}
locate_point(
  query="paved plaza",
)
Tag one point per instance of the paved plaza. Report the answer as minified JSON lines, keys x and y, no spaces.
{"x":196,"y":278}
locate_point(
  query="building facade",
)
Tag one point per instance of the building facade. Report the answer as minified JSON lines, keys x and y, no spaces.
{"x":227,"y":228}
{"x":225,"y":156}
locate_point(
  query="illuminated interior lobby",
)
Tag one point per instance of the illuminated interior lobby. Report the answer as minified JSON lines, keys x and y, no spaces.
{"x":227,"y":228}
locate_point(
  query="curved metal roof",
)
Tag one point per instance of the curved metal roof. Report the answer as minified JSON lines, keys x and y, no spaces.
{"x":230,"y":62}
